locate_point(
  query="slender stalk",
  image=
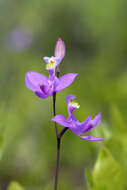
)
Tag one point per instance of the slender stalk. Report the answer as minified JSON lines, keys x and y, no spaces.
{"x":54,"y":111}
{"x":62,"y":132}
{"x":58,"y":156}
{"x":58,"y":144}
{"x":54,"y":105}
{"x":58,"y":135}
{"x":57,"y":163}
{"x":58,"y":74}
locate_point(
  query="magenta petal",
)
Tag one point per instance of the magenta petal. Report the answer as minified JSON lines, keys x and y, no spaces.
{"x":97,"y":119}
{"x":60,"y":119}
{"x":75,"y":130}
{"x":79,"y":126}
{"x":46,"y":59}
{"x":69,"y":97}
{"x":89,"y":138}
{"x":82,"y":126}
{"x":65,"y":81}
{"x":58,"y":60}
{"x":34,"y":80}
{"x":41,"y":95}
{"x":86,"y":121}
{"x":74,"y":118}
{"x":93,"y":123}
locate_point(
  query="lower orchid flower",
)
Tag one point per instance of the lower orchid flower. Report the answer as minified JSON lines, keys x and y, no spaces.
{"x":44,"y":86}
{"x":74,"y":125}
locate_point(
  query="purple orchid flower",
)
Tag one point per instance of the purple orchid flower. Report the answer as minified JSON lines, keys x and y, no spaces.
{"x":43,"y":86}
{"x":75,"y":126}
{"x":59,"y":54}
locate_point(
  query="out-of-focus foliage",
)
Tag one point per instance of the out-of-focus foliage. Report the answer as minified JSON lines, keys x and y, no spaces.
{"x":110,"y":170}
{"x":107,"y":174}
{"x":15,"y":186}
{"x":95,"y":34}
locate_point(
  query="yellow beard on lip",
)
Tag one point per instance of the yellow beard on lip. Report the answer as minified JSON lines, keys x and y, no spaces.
{"x":74,"y":104}
{"x":51,"y":65}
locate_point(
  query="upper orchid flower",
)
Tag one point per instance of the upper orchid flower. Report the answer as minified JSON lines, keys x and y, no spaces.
{"x":59,"y":54}
{"x":52,"y":62}
{"x":75,"y":126}
{"x":43,"y":86}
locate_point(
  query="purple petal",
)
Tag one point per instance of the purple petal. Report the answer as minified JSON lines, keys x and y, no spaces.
{"x":46,"y":59}
{"x":89,"y":138}
{"x":75,"y":130}
{"x":82,"y":126}
{"x":60,"y":49}
{"x":51,"y":74}
{"x":41,"y":95}
{"x":86,"y":121}
{"x":44,"y":89}
{"x":74,"y":118}
{"x":65,"y":81}
{"x":34,"y":80}
{"x":93,"y":123}
{"x":58,"y":60}
{"x":96,"y":120}
{"x":79,"y":126}
{"x":69,"y":97}
{"x":60,"y":119}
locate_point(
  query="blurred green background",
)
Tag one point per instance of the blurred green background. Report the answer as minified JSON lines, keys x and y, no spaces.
{"x":95,"y":34}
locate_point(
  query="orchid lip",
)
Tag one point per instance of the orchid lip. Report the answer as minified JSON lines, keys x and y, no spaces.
{"x":74,"y":104}
{"x":52,"y":64}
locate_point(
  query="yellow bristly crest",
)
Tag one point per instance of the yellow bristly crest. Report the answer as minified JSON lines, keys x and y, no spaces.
{"x":74,"y":104}
{"x":51,"y":64}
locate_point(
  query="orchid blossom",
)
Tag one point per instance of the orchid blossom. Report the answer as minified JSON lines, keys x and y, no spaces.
{"x":74,"y":125}
{"x":43,"y":86}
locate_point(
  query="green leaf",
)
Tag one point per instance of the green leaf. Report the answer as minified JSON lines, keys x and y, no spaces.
{"x":15,"y":186}
{"x":107,"y":173}
{"x":118,"y":124}
{"x":1,"y":146}
{"x":117,"y":144}
{"x":89,"y":178}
